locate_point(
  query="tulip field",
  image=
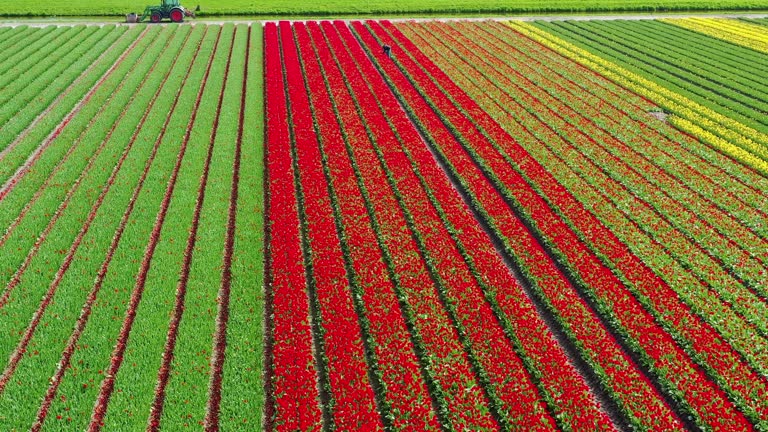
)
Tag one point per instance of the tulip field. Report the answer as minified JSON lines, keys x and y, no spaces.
{"x":128,"y":257}
{"x":484,"y":232}
{"x":276,"y":8}
{"x":495,"y":225}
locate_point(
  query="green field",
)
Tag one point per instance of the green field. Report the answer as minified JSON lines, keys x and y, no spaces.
{"x":346,"y":7}
{"x":328,"y":225}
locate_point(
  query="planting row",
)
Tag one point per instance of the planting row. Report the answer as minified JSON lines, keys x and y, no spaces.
{"x":726,"y":135}
{"x":117,"y":306}
{"x":53,"y":81}
{"x":704,"y":75}
{"x":624,"y":284}
{"x":567,"y":153}
{"x":437,"y":329}
{"x":427,"y":161}
{"x":738,"y":32}
{"x":570,"y":144}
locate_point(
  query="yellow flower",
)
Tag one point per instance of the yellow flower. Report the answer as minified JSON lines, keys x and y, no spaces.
{"x":741,"y":33}
{"x":723,"y":133}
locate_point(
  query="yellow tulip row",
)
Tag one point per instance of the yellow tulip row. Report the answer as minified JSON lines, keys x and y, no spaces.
{"x":719,"y":143}
{"x":723,"y":133}
{"x":741,"y":33}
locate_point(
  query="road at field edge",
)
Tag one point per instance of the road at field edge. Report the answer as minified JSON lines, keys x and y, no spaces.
{"x":44,"y":22}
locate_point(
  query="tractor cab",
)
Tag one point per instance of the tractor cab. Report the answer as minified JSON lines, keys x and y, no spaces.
{"x":168,"y":9}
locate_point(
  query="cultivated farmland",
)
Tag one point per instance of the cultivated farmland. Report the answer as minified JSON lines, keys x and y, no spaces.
{"x":561,"y":258}
{"x":109,"y":279}
{"x":274,"y":8}
{"x":283,"y":226}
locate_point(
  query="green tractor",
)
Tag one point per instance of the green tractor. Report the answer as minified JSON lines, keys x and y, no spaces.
{"x":170,"y":9}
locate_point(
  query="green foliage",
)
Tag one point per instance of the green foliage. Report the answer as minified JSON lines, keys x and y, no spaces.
{"x":242,"y":394}
{"x":346,"y":7}
{"x":714,"y":74}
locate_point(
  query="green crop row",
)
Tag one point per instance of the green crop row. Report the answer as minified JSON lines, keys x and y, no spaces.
{"x":21,"y":106}
{"x":573,"y":162}
{"x":710,"y":55}
{"x":536,"y":267}
{"x":688,"y":152}
{"x":133,"y":125}
{"x":136,"y":378}
{"x":21,"y":43}
{"x":57,"y":100}
{"x":624,"y":267}
{"x":19,"y":241}
{"x":41,"y":195}
{"x":721,"y":79}
{"x":242,"y":396}
{"x":18,"y":41}
{"x":186,"y":401}
{"x":95,"y":221}
{"x":690,"y":213}
{"x":152,"y":298}
{"x":145,"y":180}
{"x":20,"y":80}
{"x":640,"y":57}
{"x":759,"y":21}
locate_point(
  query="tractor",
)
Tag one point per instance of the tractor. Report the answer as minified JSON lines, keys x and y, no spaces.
{"x":170,"y":9}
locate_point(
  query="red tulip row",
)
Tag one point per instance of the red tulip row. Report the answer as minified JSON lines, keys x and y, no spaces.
{"x":737,"y":247}
{"x":351,"y":395}
{"x":609,"y":126}
{"x":708,"y":344}
{"x":698,"y":324}
{"x":292,"y":377}
{"x":663,"y":146}
{"x":579,"y":145}
{"x":406,"y":399}
{"x":550,"y":149}
{"x":737,"y":329}
{"x":654,"y":149}
{"x":597,"y":346}
{"x":702,"y":340}
{"x":487,"y":284}
{"x":493,"y":353}
{"x":454,"y":384}
{"x":680,"y":148}
{"x":639,"y":330}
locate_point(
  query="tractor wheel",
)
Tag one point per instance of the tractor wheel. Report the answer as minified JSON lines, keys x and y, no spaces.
{"x":177,"y":15}
{"x":155,"y":17}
